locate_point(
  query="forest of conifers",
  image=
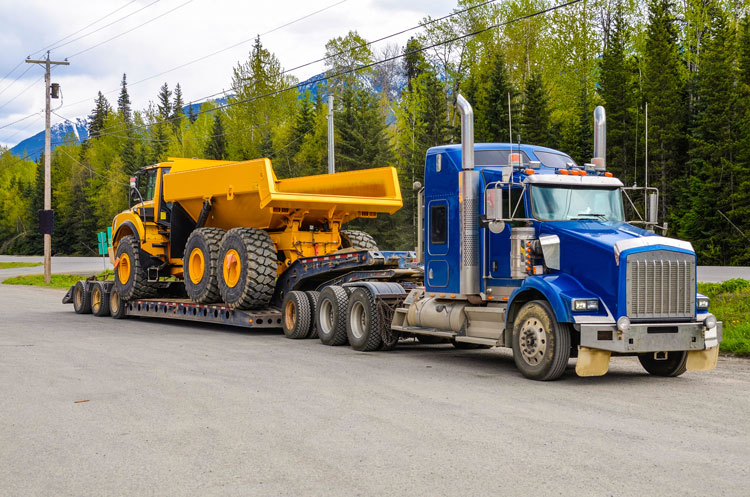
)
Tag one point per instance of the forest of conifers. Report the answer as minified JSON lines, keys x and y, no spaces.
{"x":690,"y":60}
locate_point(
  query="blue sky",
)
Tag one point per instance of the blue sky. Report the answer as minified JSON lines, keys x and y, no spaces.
{"x":186,"y":30}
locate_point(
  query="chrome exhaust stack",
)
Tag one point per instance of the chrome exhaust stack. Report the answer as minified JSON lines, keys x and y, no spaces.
{"x":600,"y":139}
{"x":468,"y":187}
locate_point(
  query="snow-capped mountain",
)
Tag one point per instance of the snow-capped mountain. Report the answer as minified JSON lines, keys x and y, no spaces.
{"x":34,"y":145}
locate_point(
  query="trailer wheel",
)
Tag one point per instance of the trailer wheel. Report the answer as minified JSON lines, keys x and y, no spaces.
{"x":358,"y":240}
{"x":331,"y":315}
{"x":670,"y":364}
{"x":541,"y":345}
{"x":81,"y":299}
{"x":363,"y":323}
{"x":313,"y":297}
{"x":131,"y":280}
{"x":295,"y":310}
{"x":201,"y":264}
{"x":99,"y":299}
{"x":248,"y":268}
{"x":117,"y":308}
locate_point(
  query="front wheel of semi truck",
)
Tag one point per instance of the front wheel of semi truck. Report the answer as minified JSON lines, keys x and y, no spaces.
{"x":541,"y":345}
{"x":664,"y":363}
{"x":131,"y":280}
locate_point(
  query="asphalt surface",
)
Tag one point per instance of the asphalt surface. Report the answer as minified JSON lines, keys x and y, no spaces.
{"x":97,"y":406}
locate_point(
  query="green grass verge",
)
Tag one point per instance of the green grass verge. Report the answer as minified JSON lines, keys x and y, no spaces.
{"x":730,"y":303}
{"x":14,"y":265}
{"x":58,"y":280}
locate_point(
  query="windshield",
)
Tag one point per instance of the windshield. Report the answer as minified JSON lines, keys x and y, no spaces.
{"x":563,"y":203}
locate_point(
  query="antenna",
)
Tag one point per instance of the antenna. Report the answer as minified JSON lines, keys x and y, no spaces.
{"x":510,"y":125}
{"x":645,"y":195}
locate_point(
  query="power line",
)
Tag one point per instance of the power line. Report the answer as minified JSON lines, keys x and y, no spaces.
{"x":20,"y":120}
{"x":22,"y":92}
{"x":130,"y":30}
{"x":17,"y":78}
{"x":38,"y":116}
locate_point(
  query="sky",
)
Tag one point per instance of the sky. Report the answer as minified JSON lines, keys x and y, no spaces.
{"x":96,"y":38}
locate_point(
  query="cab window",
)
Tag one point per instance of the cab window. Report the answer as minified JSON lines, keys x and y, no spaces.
{"x":147,"y":184}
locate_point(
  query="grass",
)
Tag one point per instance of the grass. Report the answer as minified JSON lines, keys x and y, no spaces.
{"x":14,"y":265}
{"x":58,"y":280}
{"x":730,"y":303}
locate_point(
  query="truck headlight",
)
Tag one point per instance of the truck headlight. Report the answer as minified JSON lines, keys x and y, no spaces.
{"x":709,"y":321}
{"x":579,"y":305}
{"x":623,"y":324}
{"x":701,"y":303}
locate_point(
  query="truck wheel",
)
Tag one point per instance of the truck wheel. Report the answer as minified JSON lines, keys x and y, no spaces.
{"x":81,"y":299}
{"x":674,"y":364}
{"x":117,"y":308}
{"x":541,"y":345}
{"x":313,"y":297}
{"x":296,"y":315}
{"x":331,"y":316}
{"x":248,"y":268}
{"x":99,"y":299}
{"x":358,"y":240}
{"x":363,"y":325}
{"x":201,"y":264}
{"x":131,"y":280}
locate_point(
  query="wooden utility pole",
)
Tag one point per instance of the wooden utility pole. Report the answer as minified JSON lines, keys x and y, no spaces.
{"x":47,"y":159}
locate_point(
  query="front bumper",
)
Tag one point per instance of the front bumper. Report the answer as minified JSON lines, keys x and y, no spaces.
{"x":650,"y":337}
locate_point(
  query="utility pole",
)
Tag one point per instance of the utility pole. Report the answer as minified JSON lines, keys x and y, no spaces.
{"x":45,"y":219}
{"x":331,"y":161}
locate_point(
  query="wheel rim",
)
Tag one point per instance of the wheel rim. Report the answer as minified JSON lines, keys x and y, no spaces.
{"x":290,"y":315}
{"x":532,"y":341}
{"x":231,"y":268}
{"x":96,"y":299}
{"x":114,"y":302}
{"x":123,"y":268}
{"x":78,"y":297}
{"x":326,"y":316}
{"x":196,"y":265}
{"x":358,"y":320}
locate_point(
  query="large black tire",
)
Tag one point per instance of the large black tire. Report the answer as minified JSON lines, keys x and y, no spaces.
{"x":81,"y":299}
{"x":331,"y":316}
{"x":117,"y":308}
{"x":363,"y":323}
{"x":99,"y":299}
{"x":541,"y":345}
{"x":357,"y":240}
{"x":131,"y":280}
{"x":313,"y":297}
{"x":202,"y":258}
{"x":674,"y":364}
{"x":295,"y":315}
{"x":250,"y":283}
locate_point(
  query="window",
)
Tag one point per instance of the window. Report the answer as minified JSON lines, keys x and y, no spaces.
{"x":439,"y":224}
{"x":496,"y":157}
{"x":563,"y":203}
{"x":558,"y":161}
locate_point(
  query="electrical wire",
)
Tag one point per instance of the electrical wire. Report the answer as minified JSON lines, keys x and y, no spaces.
{"x":22,"y":92}
{"x":17,"y":78}
{"x":19,"y":120}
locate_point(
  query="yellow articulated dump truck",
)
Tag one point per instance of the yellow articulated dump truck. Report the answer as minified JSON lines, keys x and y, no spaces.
{"x":230,"y":229}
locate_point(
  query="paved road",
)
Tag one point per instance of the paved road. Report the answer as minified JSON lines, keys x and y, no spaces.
{"x":179,"y":409}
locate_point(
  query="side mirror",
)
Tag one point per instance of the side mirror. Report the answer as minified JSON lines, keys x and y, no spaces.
{"x":493,"y":209}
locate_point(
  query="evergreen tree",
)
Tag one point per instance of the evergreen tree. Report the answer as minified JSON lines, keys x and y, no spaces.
{"x":123,"y":102}
{"x":492,"y":100}
{"x":216,"y":148}
{"x":361,"y":142}
{"x":535,"y":117}
{"x":191,"y":113}
{"x":414,"y":62}
{"x":84,"y":225}
{"x":178,"y":104}
{"x":164,"y":104}
{"x":98,"y":115}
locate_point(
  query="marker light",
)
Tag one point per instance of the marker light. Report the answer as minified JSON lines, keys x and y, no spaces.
{"x":710,"y":321}
{"x":623,"y":324}
{"x":702,"y":303}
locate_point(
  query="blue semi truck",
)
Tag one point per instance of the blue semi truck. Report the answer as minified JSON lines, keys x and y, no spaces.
{"x":519,"y":247}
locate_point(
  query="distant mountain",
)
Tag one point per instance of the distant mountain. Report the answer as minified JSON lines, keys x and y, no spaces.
{"x":34,"y":145}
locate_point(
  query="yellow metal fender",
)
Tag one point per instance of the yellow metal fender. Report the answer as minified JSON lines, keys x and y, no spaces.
{"x":592,"y":362}
{"x":702,"y":360}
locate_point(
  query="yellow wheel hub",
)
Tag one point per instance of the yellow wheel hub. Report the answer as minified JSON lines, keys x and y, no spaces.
{"x":123,"y":269}
{"x":196,"y":265}
{"x":231,"y":268}
{"x":290,"y":315}
{"x":96,"y":299}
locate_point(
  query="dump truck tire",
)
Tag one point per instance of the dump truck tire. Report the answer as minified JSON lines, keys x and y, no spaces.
{"x":201,"y":265}
{"x":363,"y":321}
{"x":81,"y":299}
{"x":117,"y":308}
{"x":313,"y":297}
{"x":358,"y":240}
{"x":295,"y":315}
{"x":673,"y":365}
{"x":99,"y":299}
{"x":131,"y":280}
{"x":331,"y":316}
{"x":541,"y":345}
{"x":247,"y":276}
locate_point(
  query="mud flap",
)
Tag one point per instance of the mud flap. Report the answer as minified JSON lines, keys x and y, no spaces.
{"x":592,"y":362}
{"x":702,"y":360}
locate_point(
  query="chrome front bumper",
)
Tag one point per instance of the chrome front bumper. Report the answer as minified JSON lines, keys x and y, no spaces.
{"x":650,"y":337}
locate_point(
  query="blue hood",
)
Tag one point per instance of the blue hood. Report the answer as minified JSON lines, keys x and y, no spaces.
{"x":587,"y":252}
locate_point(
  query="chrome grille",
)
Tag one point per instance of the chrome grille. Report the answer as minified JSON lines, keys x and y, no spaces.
{"x":660,"y":284}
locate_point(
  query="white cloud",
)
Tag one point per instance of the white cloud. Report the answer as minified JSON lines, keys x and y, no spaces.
{"x":192,"y":31}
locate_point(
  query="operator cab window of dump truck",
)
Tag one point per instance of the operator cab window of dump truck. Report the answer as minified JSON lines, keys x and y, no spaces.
{"x":558,"y":203}
{"x":147,"y":184}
